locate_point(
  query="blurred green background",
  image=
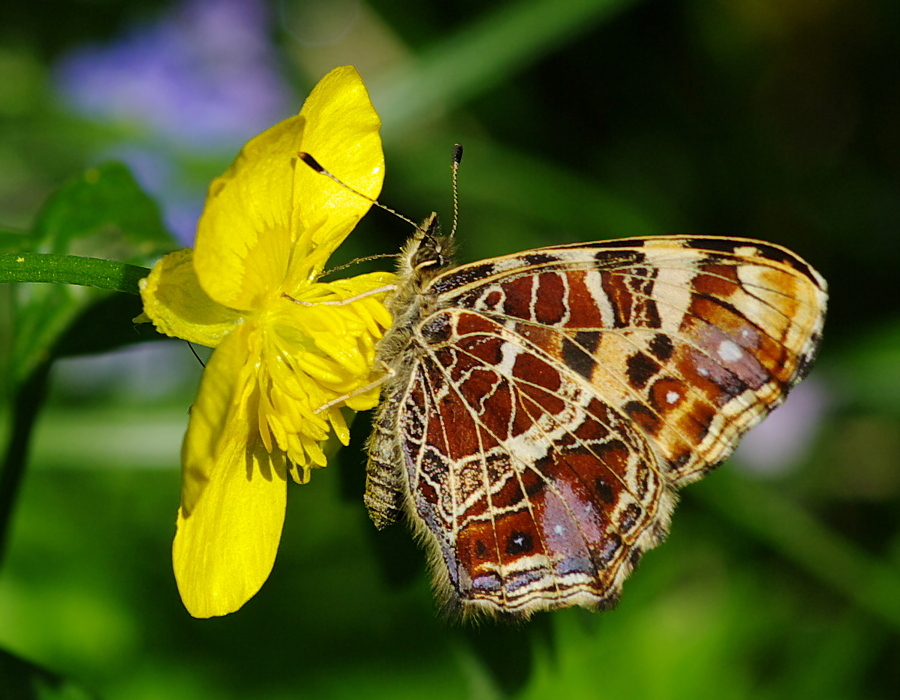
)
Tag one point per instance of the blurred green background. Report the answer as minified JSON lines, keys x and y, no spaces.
{"x":581,"y":119}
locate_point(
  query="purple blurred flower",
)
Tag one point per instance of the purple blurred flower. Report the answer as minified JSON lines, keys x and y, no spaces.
{"x":204,"y":75}
{"x":781,"y":441}
{"x":202,"y":78}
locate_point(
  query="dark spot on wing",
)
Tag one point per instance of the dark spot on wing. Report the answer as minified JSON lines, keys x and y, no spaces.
{"x":641,"y":368}
{"x":577,"y":359}
{"x":661,"y":347}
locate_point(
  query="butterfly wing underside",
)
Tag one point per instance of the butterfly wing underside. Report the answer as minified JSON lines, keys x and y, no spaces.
{"x":550,"y":403}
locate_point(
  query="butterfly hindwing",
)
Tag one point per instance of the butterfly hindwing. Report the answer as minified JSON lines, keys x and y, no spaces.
{"x":537,"y":488}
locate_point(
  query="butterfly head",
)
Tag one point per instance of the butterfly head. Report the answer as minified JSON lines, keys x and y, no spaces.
{"x":428,"y":252}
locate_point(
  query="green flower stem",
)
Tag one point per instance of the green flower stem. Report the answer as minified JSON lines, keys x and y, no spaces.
{"x":26,"y":405}
{"x":71,"y":269}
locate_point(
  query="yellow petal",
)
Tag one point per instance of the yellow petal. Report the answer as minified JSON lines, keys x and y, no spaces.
{"x":178,"y":306}
{"x":269,"y":208}
{"x":243,"y":241}
{"x":234,"y":491}
{"x":341,"y":133}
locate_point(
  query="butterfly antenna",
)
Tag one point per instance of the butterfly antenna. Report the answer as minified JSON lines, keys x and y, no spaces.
{"x":193,"y":350}
{"x":315,"y":165}
{"x":457,"y":159}
{"x":358,"y":260}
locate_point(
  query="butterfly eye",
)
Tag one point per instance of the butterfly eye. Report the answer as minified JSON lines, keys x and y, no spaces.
{"x":430,"y":254}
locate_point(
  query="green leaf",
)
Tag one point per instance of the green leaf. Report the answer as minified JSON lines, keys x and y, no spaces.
{"x":12,"y":241}
{"x":102,"y":214}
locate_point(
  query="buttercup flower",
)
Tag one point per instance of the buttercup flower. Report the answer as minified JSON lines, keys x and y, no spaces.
{"x":286,"y":344}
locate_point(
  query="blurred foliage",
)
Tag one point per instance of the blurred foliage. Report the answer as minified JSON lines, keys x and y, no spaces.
{"x":582,"y":119}
{"x":103,"y":214}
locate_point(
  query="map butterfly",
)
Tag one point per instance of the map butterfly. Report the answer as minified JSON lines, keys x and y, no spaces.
{"x":542,"y":409}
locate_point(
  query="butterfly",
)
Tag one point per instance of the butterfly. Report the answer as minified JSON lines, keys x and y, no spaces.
{"x":542,"y":409}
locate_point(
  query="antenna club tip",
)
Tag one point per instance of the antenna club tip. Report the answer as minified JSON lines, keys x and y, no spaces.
{"x":457,"y":153}
{"x":310,"y":161}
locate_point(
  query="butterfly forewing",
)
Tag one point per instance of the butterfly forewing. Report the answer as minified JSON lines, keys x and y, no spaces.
{"x":544,"y":407}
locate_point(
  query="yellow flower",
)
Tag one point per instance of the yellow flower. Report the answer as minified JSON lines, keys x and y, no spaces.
{"x":250,"y":289}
